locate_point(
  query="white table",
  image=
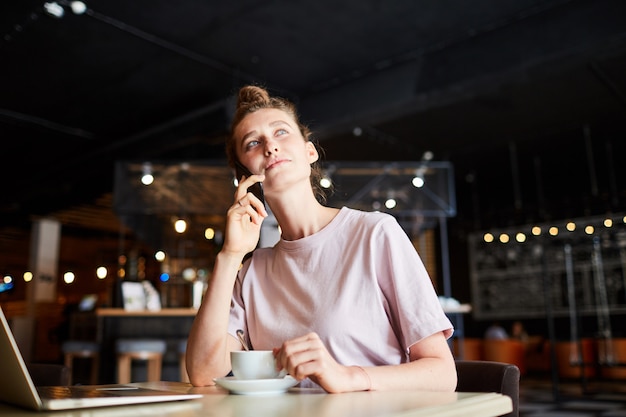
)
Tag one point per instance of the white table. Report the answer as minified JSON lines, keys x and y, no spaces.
{"x":300,"y":403}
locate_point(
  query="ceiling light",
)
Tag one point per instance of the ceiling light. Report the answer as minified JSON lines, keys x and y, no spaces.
{"x":146,"y":174}
{"x":326,"y":182}
{"x":418,"y":181}
{"x":54,"y":9}
{"x":390,"y":203}
{"x":78,"y":7}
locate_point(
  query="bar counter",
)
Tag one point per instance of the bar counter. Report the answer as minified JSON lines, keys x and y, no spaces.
{"x":164,"y":312}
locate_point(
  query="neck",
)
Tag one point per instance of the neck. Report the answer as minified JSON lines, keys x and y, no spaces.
{"x":300,"y":217}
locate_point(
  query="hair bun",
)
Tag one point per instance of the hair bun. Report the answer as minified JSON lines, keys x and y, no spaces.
{"x":252,"y":96}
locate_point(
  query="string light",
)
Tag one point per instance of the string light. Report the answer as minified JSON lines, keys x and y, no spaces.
{"x":69,"y":277}
{"x":101,"y":272}
{"x":180,"y":226}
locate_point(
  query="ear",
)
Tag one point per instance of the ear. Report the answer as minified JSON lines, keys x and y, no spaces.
{"x":312,"y":153}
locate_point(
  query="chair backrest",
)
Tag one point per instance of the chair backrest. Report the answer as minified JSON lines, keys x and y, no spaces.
{"x":488,"y":376}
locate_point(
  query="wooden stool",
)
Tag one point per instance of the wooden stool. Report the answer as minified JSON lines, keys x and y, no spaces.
{"x":182,"y":350}
{"x":73,"y":349}
{"x":149,"y":350}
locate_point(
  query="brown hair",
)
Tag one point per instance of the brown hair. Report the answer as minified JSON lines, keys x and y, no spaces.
{"x":252,"y":98}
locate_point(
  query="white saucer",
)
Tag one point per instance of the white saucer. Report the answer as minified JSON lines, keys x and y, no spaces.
{"x":256,"y":386}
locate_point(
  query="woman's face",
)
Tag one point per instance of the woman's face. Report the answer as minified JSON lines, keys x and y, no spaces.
{"x":269,"y":142}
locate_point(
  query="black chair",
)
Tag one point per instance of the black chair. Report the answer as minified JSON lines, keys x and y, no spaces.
{"x":487,"y":376}
{"x":48,"y":374}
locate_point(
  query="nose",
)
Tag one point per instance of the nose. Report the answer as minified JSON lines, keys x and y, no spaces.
{"x":271,"y":147}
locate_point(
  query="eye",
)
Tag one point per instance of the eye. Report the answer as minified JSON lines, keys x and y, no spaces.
{"x":280,"y":132}
{"x":251,"y":144}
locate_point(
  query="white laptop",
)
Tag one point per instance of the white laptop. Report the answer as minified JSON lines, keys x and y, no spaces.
{"x":17,"y":387}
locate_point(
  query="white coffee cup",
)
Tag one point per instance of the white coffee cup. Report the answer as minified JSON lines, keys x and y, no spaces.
{"x":253,"y":364}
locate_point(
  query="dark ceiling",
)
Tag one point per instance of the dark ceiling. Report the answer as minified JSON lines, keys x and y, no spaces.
{"x":527,"y":98}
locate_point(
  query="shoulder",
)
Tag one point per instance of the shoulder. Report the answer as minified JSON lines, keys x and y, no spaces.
{"x":375,"y":223}
{"x":368,"y":217}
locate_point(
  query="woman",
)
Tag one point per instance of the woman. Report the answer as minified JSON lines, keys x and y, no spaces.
{"x":343,"y":299}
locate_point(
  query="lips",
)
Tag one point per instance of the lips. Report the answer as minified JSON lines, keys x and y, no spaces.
{"x":274,"y":163}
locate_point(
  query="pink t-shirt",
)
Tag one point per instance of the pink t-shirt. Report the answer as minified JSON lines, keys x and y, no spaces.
{"x":359,"y":283}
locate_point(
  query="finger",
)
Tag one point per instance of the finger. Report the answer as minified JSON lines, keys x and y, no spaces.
{"x":254,"y":215}
{"x":301,"y":343}
{"x":247,"y":182}
{"x":257,"y":205}
{"x":253,"y":206}
{"x":306,"y":364}
{"x":300,"y":350}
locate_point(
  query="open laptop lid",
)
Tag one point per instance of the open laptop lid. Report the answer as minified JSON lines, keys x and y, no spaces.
{"x":16,"y":385}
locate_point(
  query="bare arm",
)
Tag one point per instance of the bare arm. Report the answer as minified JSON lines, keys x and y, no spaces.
{"x":209,"y":344}
{"x":431,"y":367}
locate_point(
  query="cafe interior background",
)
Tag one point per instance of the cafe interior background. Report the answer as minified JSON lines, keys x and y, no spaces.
{"x":509,"y":113}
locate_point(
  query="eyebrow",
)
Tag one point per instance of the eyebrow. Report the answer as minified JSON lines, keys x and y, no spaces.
{"x":272,"y":124}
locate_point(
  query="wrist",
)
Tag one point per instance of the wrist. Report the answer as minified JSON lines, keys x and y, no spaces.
{"x":230,"y":257}
{"x":363,"y":379}
{"x":228,"y":261}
